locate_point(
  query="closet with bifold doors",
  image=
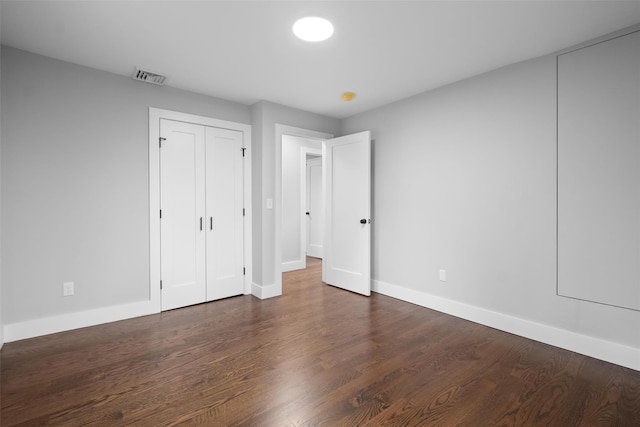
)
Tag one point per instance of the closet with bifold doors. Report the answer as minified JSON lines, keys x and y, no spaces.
{"x":202,"y":213}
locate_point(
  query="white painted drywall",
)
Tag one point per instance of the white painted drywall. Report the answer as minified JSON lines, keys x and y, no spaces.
{"x":75,"y":183}
{"x":256,"y":187}
{"x":292,"y":205}
{"x":599,"y":172}
{"x":465,"y":180}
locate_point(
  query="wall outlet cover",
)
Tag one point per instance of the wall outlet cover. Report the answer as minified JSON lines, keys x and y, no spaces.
{"x":68,"y":289}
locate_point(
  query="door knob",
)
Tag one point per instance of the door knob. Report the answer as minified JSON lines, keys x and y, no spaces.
{"x":363,"y":221}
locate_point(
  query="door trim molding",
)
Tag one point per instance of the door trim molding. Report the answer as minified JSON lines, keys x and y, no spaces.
{"x":280,"y":131}
{"x":155,"y":114}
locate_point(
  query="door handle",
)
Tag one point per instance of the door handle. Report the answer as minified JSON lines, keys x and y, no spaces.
{"x":211,"y":223}
{"x":363,"y":221}
{"x":200,"y":223}
{"x":308,"y":213}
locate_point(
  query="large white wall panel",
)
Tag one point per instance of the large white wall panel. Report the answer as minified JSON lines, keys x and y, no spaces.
{"x":599,"y":172}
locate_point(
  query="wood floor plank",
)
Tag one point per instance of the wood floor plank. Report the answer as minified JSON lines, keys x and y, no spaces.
{"x":315,"y":356}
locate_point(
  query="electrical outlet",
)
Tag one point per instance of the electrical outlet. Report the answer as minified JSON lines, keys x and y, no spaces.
{"x":67,"y":289}
{"x":443,"y":275}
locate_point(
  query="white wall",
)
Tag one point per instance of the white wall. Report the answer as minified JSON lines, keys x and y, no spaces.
{"x":598,"y":173}
{"x":465,"y":180}
{"x":257,"y":189}
{"x":292,"y":205}
{"x":75,"y":183}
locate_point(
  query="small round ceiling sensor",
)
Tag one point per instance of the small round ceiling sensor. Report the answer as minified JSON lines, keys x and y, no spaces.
{"x":313,"y":29}
{"x":348,"y":96}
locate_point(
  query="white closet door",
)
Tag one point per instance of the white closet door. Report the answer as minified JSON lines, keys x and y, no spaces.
{"x":182,"y":241}
{"x":225,"y":276}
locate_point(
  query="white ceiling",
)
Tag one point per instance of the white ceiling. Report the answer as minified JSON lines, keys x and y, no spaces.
{"x":245,"y":51}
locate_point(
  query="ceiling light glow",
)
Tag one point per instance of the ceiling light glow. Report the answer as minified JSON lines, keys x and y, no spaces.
{"x":313,"y":29}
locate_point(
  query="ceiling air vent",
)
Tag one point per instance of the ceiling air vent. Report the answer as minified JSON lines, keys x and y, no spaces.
{"x":149,"y":77}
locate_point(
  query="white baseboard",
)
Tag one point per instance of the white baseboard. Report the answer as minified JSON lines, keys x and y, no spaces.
{"x":266,"y":291}
{"x":80,"y":319}
{"x":293,"y":265}
{"x":594,"y":347}
{"x":69,"y":321}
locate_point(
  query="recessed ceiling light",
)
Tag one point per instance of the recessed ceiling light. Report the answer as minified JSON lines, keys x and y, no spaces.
{"x":313,"y":29}
{"x":348,"y":96}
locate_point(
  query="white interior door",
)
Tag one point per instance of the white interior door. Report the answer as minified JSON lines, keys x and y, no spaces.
{"x":224,"y":221}
{"x":182,"y":238}
{"x":347,"y":187}
{"x":315,"y":208}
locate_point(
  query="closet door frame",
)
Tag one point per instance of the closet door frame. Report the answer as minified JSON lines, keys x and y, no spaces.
{"x":155,"y":115}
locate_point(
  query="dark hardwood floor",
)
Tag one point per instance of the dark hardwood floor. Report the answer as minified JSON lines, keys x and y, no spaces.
{"x":315,"y":356}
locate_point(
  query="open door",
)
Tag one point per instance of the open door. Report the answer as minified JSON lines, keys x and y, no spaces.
{"x":347,"y":190}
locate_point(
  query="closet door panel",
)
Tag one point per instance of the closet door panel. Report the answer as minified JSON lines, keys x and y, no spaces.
{"x":182,"y":243}
{"x":224,"y":206}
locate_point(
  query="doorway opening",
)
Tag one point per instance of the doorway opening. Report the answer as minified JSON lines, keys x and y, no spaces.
{"x":301,"y":162}
{"x":346,"y":189}
{"x":295,"y":148}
